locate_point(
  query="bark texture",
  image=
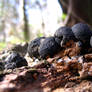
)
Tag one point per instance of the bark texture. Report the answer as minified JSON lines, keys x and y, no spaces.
{"x":77,"y":11}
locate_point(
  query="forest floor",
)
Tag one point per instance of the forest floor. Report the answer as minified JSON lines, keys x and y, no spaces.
{"x":58,"y":74}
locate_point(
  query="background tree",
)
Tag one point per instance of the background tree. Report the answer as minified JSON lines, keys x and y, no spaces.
{"x":77,"y":11}
{"x":26,"y":28}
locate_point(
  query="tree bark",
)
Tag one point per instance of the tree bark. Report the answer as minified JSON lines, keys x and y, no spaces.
{"x":77,"y":11}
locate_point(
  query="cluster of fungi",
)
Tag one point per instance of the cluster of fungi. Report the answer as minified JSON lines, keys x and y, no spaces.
{"x":78,"y":36}
{"x":75,"y":43}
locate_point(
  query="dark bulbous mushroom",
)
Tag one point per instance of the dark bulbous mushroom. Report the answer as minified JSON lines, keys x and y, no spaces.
{"x":33,"y":47}
{"x":14,"y":60}
{"x":65,"y":34}
{"x":49,"y":47}
{"x":83,"y":33}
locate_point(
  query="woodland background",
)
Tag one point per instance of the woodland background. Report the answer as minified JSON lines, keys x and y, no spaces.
{"x":23,"y":20}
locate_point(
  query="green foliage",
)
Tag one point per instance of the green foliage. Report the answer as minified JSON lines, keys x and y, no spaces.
{"x":2,"y":45}
{"x":63,"y":16}
{"x":39,"y":34}
{"x":15,"y":40}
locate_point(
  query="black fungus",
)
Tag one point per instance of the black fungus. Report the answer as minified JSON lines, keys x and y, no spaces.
{"x":65,"y":34}
{"x":14,"y":60}
{"x":49,"y":48}
{"x":33,"y":47}
{"x":83,"y":34}
{"x":1,"y":66}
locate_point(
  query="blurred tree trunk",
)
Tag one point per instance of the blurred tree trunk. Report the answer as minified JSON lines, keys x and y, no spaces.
{"x":77,"y":11}
{"x":2,"y":26}
{"x":26,"y":28}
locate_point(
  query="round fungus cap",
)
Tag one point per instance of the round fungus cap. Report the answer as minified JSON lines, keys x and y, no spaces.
{"x":65,"y":34}
{"x":82,"y":32}
{"x":49,"y":48}
{"x":34,"y":46}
